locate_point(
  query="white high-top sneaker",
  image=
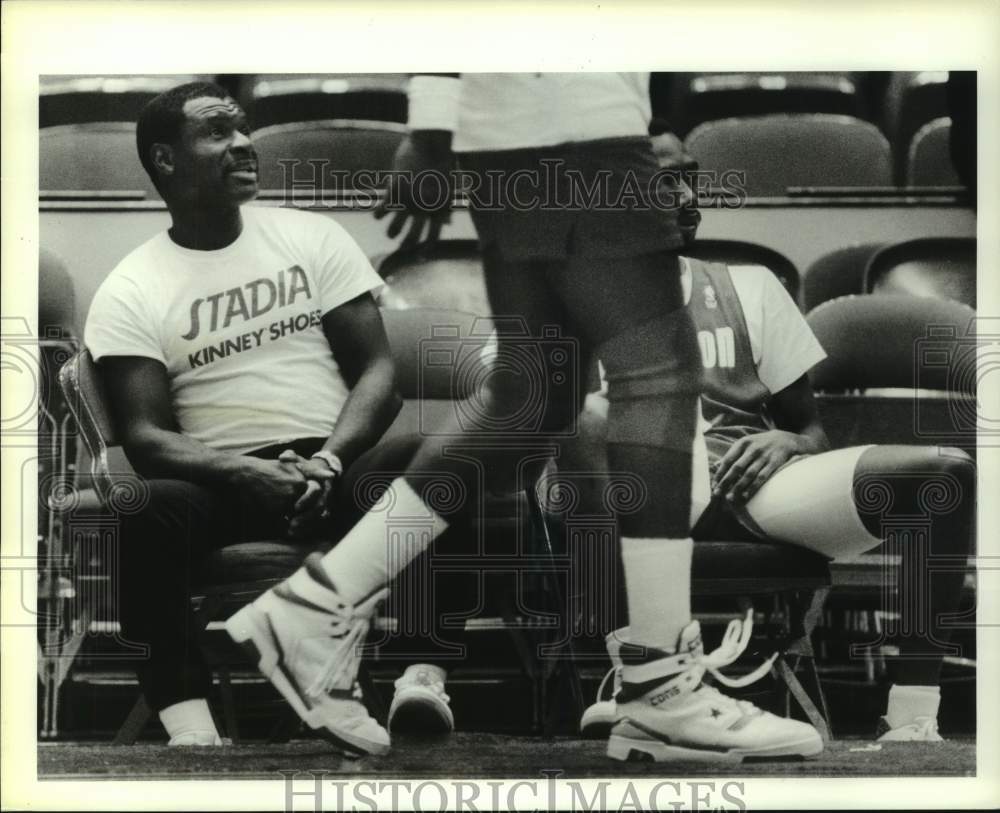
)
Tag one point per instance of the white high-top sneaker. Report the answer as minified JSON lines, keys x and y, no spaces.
{"x":664,"y":711}
{"x":598,"y":718}
{"x":307,"y":644}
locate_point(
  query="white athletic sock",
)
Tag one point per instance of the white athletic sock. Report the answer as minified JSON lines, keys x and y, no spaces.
{"x":907,"y":703}
{"x":658,"y":580}
{"x":383,"y":542}
{"x":188,"y":717}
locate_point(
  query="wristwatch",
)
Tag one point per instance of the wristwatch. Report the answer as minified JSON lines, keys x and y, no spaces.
{"x":334,"y":462}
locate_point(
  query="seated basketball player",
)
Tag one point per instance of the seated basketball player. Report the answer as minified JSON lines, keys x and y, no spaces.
{"x":765,"y":471}
{"x":247,"y":368}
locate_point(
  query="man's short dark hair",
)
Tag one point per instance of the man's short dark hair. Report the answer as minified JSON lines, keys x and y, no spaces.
{"x":161,"y":119}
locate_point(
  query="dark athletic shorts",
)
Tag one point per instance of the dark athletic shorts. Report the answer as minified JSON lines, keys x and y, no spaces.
{"x":545,"y":211}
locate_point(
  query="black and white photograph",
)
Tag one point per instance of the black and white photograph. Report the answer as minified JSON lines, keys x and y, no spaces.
{"x":419,"y":412}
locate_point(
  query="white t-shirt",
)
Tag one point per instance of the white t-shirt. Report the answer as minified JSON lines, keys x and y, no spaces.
{"x":506,"y":111}
{"x":239,"y":329}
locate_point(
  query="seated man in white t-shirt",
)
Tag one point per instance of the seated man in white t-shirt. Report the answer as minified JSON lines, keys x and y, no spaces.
{"x":247,"y":366}
{"x":763,"y":468}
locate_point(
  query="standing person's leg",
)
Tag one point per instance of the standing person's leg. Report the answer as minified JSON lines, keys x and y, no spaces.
{"x":921,"y":501}
{"x":348,"y":582}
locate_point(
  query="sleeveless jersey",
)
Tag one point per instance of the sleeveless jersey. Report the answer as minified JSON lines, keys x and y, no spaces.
{"x":734,"y":400}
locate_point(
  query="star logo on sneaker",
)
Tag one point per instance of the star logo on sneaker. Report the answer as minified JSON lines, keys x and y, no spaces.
{"x":716,"y":713}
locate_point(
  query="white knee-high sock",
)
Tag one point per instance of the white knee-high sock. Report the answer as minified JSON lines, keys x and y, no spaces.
{"x":658,"y":581}
{"x":382,"y":543}
{"x":907,"y":703}
{"x":188,"y":717}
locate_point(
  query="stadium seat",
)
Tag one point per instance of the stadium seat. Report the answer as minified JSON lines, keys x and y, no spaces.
{"x":702,"y":97}
{"x":839,"y":273}
{"x":738,"y":252}
{"x":282,"y":99}
{"x":93,"y":157}
{"x":90,"y":99}
{"x":912,"y":99}
{"x":338,"y":145}
{"x":807,"y":150}
{"x":899,"y":369}
{"x":446,"y":274}
{"x":931,"y":266}
{"x":928,"y":161}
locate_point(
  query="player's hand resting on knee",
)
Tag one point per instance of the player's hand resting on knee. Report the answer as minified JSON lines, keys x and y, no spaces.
{"x":312,"y":509}
{"x":752,"y":461}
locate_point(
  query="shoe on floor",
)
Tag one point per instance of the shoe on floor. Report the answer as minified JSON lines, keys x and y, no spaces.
{"x":598,"y":718}
{"x":307,"y":642}
{"x":420,"y":704}
{"x":922,"y":729}
{"x":665,"y":712}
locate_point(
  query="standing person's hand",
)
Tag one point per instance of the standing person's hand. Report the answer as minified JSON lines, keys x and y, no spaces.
{"x":420,"y":187}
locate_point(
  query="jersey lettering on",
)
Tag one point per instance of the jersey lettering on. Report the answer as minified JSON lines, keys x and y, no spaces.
{"x":718,"y":348}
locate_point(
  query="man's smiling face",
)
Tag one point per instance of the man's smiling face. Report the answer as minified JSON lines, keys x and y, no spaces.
{"x":214,"y":160}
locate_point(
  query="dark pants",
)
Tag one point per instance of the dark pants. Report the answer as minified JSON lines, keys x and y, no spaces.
{"x":165,"y":541}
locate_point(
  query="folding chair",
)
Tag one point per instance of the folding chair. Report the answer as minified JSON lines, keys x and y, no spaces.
{"x":804,"y":150}
{"x":912,"y":99}
{"x":942,"y":267}
{"x":233,"y":575}
{"x":99,"y":98}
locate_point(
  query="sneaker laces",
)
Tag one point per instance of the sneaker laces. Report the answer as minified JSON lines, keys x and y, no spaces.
{"x":604,"y":682}
{"x":734,"y":642}
{"x":351,"y":630}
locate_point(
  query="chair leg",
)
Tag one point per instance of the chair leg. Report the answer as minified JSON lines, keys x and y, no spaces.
{"x":134,"y":723}
{"x":228,"y":705}
{"x":791,"y":680}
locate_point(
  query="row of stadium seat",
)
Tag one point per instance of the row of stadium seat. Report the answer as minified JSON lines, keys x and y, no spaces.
{"x":899,"y":103}
{"x":450,"y":275}
{"x":776,"y":153}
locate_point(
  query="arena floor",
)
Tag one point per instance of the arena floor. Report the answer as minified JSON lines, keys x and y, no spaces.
{"x":479,"y":755}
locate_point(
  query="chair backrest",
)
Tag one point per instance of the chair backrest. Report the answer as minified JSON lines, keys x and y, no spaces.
{"x":805,"y":150}
{"x":84,"y":392}
{"x":942,"y":267}
{"x":912,"y":99}
{"x":838,"y":273}
{"x":928,"y":161}
{"x":447,"y":274}
{"x":709,"y":96}
{"x":738,"y":252}
{"x":93,"y":157}
{"x":890,"y":341}
{"x":281,"y":98}
{"x":339,"y":145}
